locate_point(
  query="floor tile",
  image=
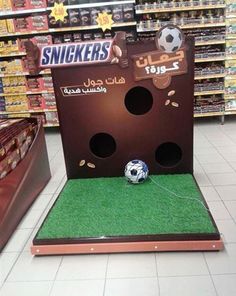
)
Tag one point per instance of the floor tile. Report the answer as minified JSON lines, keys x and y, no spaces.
{"x":26,"y":289}
{"x":29,"y":268}
{"x":227,"y":229}
{"x":222,"y":262}
{"x":216,"y":168}
{"x":186,"y":286}
{"x":83,"y":267}
{"x":202,"y":179}
{"x":131,"y":265}
{"x":210,"y":193}
{"x":233,"y":164}
{"x":7,"y":260}
{"x":227,"y":192}
{"x":210,"y":158}
{"x":41,"y":202}
{"x":223,"y":179}
{"x":132,"y":287}
{"x":218,"y":210}
{"x":231,"y":206}
{"x":18,"y":240}
{"x":181,"y":264}
{"x":77,"y":288}
{"x":225,"y":284}
{"x":30,"y":219}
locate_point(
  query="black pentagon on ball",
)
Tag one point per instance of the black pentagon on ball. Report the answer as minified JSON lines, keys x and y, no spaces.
{"x":175,"y":48}
{"x":180,"y":36}
{"x":135,"y":161}
{"x":140,"y":180}
{"x":133,"y":172}
{"x":169,"y":38}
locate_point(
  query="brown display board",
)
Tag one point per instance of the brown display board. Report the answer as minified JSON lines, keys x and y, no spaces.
{"x":108,"y":116}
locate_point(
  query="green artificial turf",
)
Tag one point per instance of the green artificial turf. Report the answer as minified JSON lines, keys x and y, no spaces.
{"x":112,"y":207}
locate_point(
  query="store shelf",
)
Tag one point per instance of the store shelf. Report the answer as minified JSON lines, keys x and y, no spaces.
{"x":233,"y":112}
{"x":152,"y":8}
{"x":210,"y":76}
{"x":228,"y":58}
{"x":16,"y":54}
{"x":209,"y":42}
{"x":230,"y":97}
{"x":26,"y":93}
{"x":24,"y":74}
{"x":10,"y":13}
{"x":27,"y":111}
{"x":15,"y":34}
{"x":187,"y":26}
{"x":51,"y":125}
{"x":208,"y":114}
{"x":212,"y":59}
{"x":66,"y":29}
{"x":212,"y":92}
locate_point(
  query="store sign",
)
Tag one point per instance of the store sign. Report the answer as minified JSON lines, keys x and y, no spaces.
{"x":159,"y":66}
{"x":59,"y":12}
{"x":111,"y":51}
{"x":104,"y":21}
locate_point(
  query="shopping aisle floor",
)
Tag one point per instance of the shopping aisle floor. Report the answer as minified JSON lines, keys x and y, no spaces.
{"x":143,"y":274}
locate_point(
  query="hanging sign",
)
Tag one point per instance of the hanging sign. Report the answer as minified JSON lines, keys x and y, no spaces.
{"x":104,"y":21}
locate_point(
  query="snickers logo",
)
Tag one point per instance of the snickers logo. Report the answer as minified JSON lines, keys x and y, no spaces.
{"x":75,"y":53}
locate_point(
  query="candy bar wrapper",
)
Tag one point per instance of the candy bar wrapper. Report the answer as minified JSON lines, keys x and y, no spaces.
{"x":111,"y":51}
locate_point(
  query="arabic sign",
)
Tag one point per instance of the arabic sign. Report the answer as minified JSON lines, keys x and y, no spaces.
{"x":159,"y":66}
{"x":90,"y":86}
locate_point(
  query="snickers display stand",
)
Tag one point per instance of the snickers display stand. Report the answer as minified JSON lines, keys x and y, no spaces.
{"x":20,"y":187}
{"x":116,"y":103}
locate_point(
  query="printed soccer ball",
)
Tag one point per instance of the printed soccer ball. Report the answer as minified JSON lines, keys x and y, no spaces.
{"x":169,"y":39}
{"x":136,"y":171}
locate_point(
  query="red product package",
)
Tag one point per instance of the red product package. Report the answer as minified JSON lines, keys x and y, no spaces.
{"x":22,"y":24}
{"x":34,"y":4}
{"x":39,"y":22}
{"x":20,"y":4}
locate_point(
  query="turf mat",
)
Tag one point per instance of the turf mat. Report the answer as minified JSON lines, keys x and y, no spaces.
{"x":164,"y":204}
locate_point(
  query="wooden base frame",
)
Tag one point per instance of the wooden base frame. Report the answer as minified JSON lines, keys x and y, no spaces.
{"x":152,"y":246}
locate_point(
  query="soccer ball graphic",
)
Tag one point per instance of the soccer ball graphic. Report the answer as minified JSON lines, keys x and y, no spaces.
{"x":169,"y":39}
{"x":136,"y":171}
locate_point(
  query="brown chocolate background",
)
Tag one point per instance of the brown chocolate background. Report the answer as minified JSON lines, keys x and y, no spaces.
{"x":136,"y":136}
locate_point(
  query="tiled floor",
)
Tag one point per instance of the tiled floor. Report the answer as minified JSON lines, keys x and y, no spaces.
{"x":152,"y":274}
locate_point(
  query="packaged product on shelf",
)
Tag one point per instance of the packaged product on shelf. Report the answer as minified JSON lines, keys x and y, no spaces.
{"x":65,"y":22}
{"x":51,"y":118}
{"x":52,"y":23}
{"x":6,"y":5}
{"x":47,"y":83}
{"x":74,"y":17}
{"x":16,"y":103}
{"x":87,"y":36}
{"x":35,"y":102}
{"x":128,"y":12}
{"x":39,"y":22}
{"x":51,"y":2}
{"x":230,"y":67}
{"x":97,"y":36}
{"x":42,"y":40}
{"x":33,"y":84}
{"x":20,"y":4}
{"x":117,"y":14}
{"x":57,"y":39}
{"x":230,"y":105}
{"x":230,"y":86}
{"x":34,"y":4}
{"x":40,"y":117}
{"x":2,"y":104}
{"x":94,"y":14}
{"x":8,"y":47}
{"x":11,"y":66}
{"x":230,"y":48}
{"x":85,"y":17}
{"x":10,"y":23}
{"x":49,"y":101}
{"x":67,"y":38}
{"x":77,"y":37}
{"x":22,"y":24}
{"x":3,"y":27}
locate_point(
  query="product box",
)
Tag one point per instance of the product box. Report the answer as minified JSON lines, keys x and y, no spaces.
{"x":74,"y":17}
{"x":49,"y":101}
{"x":6,"y":5}
{"x":20,"y":4}
{"x":22,"y":24}
{"x":34,"y":4}
{"x":35,"y":102}
{"x":34,"y":84}
{"x":39,"y":22}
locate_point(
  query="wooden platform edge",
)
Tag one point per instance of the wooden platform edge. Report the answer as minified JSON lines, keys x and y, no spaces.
{"x":125,"y":247}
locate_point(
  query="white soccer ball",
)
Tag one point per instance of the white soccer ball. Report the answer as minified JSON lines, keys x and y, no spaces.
{"x":169,"y":39}
{"x":136,"y":171}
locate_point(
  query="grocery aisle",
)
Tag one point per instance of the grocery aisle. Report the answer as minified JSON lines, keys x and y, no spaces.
{"x":152,"y":274}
